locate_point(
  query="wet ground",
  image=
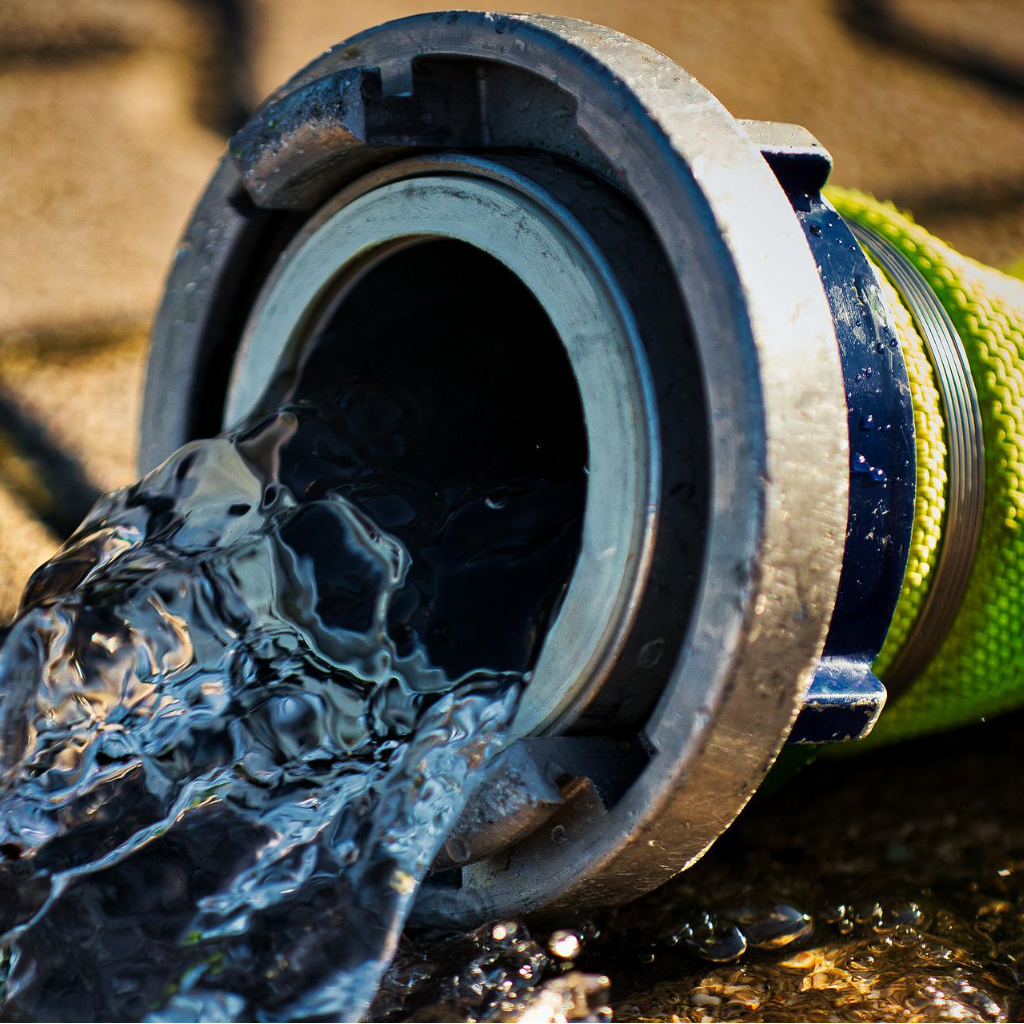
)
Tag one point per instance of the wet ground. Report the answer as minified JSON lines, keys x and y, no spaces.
{"x":887,"y":887}
{"x":883,"y":888}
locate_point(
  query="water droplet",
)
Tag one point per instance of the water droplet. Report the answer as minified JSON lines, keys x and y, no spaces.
{"x":497,"y":499}
{"x":565,"y":943}
{"x":898,"y":916}
{"x":776,"y":927}
{"x":866,"y":913}
{"x":650,"y":654}
{"x":713,"y":939}
{"x":504,"y":930}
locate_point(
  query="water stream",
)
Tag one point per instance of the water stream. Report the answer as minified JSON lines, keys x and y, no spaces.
{"x":246,"y":701}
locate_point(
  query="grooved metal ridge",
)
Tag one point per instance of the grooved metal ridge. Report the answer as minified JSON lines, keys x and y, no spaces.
{"x":966,"y":458}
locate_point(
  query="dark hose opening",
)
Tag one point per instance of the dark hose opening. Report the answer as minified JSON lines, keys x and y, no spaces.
{"x":448,"y":412}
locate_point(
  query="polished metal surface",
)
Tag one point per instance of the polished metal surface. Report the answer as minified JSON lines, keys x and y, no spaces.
{"x":965,"y":445}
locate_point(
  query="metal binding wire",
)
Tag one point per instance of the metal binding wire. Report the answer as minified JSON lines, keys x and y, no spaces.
{"x":966,"y":458}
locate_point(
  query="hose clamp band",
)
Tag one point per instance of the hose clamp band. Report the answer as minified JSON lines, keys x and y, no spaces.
{"x":965,"y":458}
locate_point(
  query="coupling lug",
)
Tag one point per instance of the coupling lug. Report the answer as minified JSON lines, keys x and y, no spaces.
{"x":799,"y":161}
{"x":843,"y":703}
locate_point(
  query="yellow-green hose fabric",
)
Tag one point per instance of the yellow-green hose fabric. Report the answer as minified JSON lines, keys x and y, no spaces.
{"x":930,"y":494}
{"x":979,"y":668}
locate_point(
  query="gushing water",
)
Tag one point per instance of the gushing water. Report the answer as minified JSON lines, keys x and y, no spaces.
{"x":223,"y":781}
{"x":244,"y":704}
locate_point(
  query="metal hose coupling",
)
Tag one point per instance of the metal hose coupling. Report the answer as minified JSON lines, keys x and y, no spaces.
{"x":804,"y":416}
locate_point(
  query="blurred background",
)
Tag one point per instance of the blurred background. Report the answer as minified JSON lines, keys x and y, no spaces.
{"x":112,"y":116}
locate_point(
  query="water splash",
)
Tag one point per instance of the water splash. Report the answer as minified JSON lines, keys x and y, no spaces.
{"x":222,"y":781}
{"x":498,"y":972}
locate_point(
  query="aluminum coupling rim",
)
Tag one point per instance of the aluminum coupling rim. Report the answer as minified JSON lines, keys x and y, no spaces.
{"x":766,"y":353}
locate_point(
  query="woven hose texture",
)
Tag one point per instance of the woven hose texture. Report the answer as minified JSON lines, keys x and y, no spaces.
{"x":930,"y":494}
{"x":979,"y":668}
